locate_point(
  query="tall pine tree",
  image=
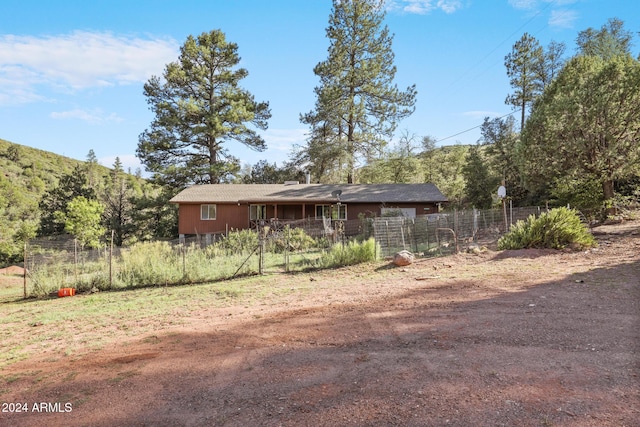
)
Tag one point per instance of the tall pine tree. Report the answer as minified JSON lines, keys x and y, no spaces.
{"x":523,"y":64}
{"x":199,"y":109}
{"x":358,"y":106}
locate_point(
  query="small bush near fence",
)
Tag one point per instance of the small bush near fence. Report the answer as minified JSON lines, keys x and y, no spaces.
{"x":350,"y":253}
{"x":555,"y":229}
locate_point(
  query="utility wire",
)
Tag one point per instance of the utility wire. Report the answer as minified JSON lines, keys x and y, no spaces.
{"x":500,"y":44}
{"x":475,"y":127}
{"x":489,"y":54}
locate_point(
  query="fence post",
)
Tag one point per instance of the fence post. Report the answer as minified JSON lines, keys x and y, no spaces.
{"x":75,"y":258}
{"x":260,"y":252}
{"x":386,"y":223}
{"x":510,"y":213}
{"x":24,"y":272}
{"x":286,"y":249}
{"x":426,"y":227}
{"x":475,"y":223}
{"x":111,"y":261}
{"x":456,"y":227}
{"x":184,"y":260}
{"x":375,"y":246}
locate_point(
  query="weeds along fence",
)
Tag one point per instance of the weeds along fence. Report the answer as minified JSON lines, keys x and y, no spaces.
{"x":52,"y":264}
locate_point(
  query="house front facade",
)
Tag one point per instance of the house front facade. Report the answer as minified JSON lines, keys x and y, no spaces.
{"x":218,"y":208}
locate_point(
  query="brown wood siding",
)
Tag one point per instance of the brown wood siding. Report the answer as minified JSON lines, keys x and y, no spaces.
{"x":232,"y":216}
{"x":228,"y":216}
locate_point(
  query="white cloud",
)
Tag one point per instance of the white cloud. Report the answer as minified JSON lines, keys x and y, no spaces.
{"x":563,"y":18}
{"x":423,"y":7}
{"x":76,"y":61}
{"x":283,"y":139}
{"x":96,"y":116}
{"x":449,"y":6}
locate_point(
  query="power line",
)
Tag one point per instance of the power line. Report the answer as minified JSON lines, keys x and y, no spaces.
{"x":499,"y":45}
{"x":475,"y":127}
{"x":489,"y":54}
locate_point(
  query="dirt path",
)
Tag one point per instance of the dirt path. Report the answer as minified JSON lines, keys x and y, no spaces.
{"x":514,"y":338}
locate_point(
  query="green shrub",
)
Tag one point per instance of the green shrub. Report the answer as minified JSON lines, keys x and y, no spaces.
{"x":555,"y":229}
{"x":293,"y":239}
{"x":349,"y":254}
{"x":239,"y":241}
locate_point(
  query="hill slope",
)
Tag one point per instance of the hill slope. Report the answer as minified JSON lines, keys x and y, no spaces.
{"x":25,"y":175}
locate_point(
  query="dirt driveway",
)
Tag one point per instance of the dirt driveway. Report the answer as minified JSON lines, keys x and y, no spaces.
{"x":514,"y":338}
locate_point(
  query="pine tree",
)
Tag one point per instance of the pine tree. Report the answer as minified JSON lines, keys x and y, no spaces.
{"x":199,"y":109}
{"x":611,"y":40}
{"x":523,"y":65}
{"x":587,"y":124}
{"x":70,"y":186}
{"x":358,"y":106}
{"x":117,"y":196}
{"x":478,"y":183}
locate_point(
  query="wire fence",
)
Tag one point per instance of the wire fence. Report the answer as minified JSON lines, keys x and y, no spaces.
{"x":445,"y":233}
{"x":61,"y":263}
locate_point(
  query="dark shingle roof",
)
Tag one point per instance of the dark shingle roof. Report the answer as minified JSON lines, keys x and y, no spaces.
{"x":299,"y":193}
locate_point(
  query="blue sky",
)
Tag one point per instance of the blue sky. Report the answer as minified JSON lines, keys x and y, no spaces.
{"x":72,"y":71}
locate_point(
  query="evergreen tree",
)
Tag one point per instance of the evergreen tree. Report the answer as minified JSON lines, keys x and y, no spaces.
{"x":397,"y":165}
{"x":479,"y":185}
{"x":523,"y":69}
{"x":93,"y":175}
{"x":611,"y":40}
{"x":357,"y":104}
{"x":548,"y":68}
{"x":70,"y":186}
{"x":264,"y":172}
{"x":199,"y":107}
{"x":587,"y":123}
{"x":504,"y":156}
{"x":427,"y":156}
{"x":118,"y":207}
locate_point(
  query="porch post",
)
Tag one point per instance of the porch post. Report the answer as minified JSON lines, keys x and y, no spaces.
{"x":275,"y":210}
{"x":303,"y":212}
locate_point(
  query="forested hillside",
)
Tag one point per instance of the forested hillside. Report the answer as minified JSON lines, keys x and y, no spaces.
{"x":26,"y":174}
{"x":37,"y":189}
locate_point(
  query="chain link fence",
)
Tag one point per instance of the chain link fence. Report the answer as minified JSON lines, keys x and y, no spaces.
{"x":281,"y":247}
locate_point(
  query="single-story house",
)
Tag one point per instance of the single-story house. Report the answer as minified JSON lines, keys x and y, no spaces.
{"x":217,"y":208}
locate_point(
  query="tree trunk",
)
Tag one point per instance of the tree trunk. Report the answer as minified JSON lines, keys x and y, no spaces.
{"x":351,"y":151}
{"x":607,"y":189}
{"x":213,"y":159}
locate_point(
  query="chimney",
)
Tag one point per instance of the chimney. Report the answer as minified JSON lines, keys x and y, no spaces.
{"x":308,"y":177}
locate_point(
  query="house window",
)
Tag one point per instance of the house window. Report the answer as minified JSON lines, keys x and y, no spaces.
{"x":257,"y":212}
{"x":331,"y":211}
{"x":207,"y":212}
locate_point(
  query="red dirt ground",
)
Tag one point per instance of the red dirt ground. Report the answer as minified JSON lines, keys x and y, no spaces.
{"x":513,"y":338}
{"x":12,"y":270}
